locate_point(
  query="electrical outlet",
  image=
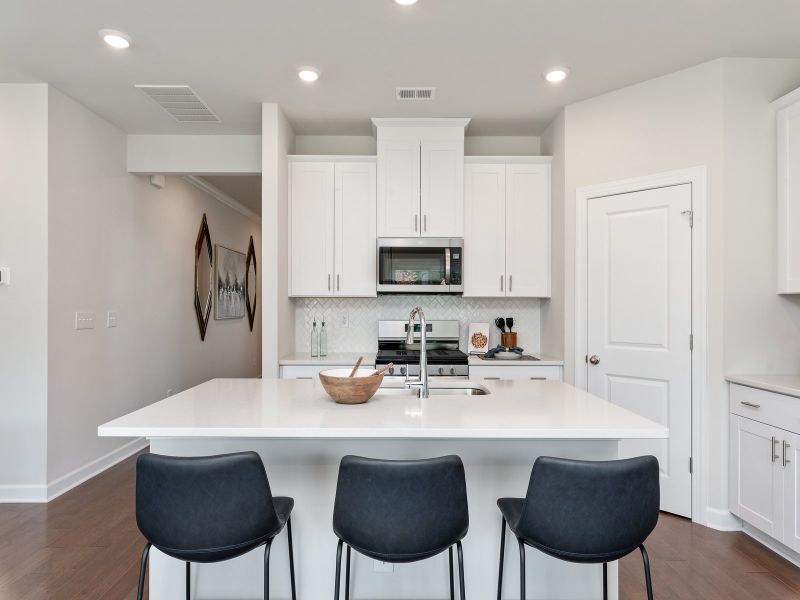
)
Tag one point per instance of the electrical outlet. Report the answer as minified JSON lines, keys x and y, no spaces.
{"x":343,"y":320}
{"x":383,"y":567}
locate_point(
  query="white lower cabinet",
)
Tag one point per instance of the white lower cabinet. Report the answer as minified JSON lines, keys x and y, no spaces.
{"x":477,"y":373}
{"x":764,"y":464}
{"x":311,"y":371}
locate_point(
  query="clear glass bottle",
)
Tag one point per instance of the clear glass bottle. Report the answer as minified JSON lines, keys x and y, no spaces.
{"x":314,"y":340}
{"x":323,"y":340}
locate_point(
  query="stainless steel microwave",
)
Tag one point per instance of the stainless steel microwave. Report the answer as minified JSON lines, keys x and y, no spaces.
{"x":420,"y":265}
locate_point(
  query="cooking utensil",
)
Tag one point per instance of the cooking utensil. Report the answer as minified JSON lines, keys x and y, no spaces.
{"x":501,"y":324}
{"x":510,"y":323}
{"x":383,"y":369}
{"x":350,"y":390}
{"x":355,"y":368}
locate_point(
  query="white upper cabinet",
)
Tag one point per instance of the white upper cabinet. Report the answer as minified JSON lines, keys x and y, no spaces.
{"x":398,"y":188}
{"x":789,"y":193}
{"x":528,"y":230}
{"x":332,"y":237}
{"x":442,"y":190}
{"x":507,"y":227}
{"x":311,"y":204}
{"x":355,"y":229}
{"x":485,"y":230}
{"x":420,"y":177}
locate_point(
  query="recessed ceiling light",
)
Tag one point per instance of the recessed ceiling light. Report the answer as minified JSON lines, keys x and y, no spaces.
{"x":405,"y":2}
{"x":308,"y":74}
{"x":556,"y":74}
{"x":116,"y":39}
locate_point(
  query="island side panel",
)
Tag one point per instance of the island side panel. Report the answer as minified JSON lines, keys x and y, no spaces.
{"x":307,"y":470}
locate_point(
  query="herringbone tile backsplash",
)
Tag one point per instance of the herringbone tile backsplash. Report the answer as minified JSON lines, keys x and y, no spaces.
{"x":363,"y":314}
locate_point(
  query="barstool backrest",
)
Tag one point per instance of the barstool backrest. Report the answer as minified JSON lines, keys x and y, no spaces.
{"x":401,"y":510}
{"x":202,"y":503}
{"x":591,"y":509}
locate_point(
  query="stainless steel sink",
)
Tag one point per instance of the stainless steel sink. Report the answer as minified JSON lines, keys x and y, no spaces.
{"x":464,"y":388}
{"x":459,"y":391}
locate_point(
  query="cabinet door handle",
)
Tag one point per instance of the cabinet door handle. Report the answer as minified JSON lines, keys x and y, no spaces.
{"x":329,"y":282}
{"x":304,"y":378}
{"x":338,"y":286}
{"x":491,"y":378}
{"x":501,"y":283}
{"x":750,"y":404}
{"x":786,"y":446}
{"x":510,"y":282}
{"x":772,"y":450}
{"x":424,"y":222}
{"x":416,"y":217}
{"x":539,"y":378}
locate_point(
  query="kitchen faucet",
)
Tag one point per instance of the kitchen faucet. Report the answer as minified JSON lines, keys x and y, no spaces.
{"x":422,"y":382}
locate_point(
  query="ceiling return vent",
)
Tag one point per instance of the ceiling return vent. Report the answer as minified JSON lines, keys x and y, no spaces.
{"x":416,"y":93}
{"x":181,"y":103}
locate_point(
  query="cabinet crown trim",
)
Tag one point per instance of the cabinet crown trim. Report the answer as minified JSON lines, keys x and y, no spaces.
{"x":420,"y":122}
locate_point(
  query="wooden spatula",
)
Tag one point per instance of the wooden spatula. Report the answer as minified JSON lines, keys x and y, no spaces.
{"x":383,"y":369}
{"x":355,"y":368}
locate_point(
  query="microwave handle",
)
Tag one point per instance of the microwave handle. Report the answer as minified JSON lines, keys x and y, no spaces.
{"x":447,"y":266}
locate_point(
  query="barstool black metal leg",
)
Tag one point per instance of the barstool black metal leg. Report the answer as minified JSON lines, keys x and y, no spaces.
{"x":347,"y":576}
{"x":605,"y":581}
{"x":338,"y":570}
{"x":648,"y":581}
{"x":188,"y":581}
{"x":461,"y":570}
{"x":452,"y":581}
{"x":502,"y":552}
{"x":291,"y":556}
{"x":143,"y":571}
{"x":266,"y":569}
{"x":521,"y":569}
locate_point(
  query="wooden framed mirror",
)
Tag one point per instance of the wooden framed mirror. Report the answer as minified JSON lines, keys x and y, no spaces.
{"x":203,"y":277}
{"x":251,"y":283}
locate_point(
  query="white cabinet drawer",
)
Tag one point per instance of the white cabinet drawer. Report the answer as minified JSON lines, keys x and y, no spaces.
{"x":477,"y":373}
{"x":310,"y":371}
{"x":773,"y":409}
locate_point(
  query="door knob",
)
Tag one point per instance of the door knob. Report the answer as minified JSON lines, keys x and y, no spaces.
{"x":594,"y":359}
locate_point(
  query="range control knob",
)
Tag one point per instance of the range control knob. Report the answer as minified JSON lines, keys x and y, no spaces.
{"x":391,"y":370}
{"x":452,"y":371}
{"x":441,"y":371}
{"x":402,"y":370}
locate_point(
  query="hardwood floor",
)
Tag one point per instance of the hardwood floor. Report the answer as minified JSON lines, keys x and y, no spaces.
{"x":85,"y":545}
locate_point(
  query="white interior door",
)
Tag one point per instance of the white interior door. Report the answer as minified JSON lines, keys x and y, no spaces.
{"x":355,"y":229}
{"x":639,"y":322}
{"x":485,"y":230}
{"x":311,"y":202}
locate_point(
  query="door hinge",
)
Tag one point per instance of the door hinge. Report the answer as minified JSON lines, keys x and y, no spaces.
{"x":691,"y":465}
{"x":691,"y":342}
{"x":691,"y":216}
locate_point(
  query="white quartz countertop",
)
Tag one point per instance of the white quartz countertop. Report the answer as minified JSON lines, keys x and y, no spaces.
{"x":780,"y":384}
{"x":333,"y":359}
{"x":290,"y":408}
{"x":543,"y":361}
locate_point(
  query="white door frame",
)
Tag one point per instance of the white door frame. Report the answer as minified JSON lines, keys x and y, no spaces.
{"x":696,"y":176}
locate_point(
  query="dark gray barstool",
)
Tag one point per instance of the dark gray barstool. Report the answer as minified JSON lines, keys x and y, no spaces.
{"x":209,"y":509}
{"x":585,"y":512}
{"x":400,"y":511}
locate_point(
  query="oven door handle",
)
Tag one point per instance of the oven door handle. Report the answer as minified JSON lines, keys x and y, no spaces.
{"x":447,"y":266}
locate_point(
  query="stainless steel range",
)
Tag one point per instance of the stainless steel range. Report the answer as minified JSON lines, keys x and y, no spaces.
{"x":444,"y":357}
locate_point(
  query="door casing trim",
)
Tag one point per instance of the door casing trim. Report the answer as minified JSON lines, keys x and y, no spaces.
{"x":696,"y":176}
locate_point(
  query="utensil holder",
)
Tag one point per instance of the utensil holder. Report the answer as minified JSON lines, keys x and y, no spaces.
{"x":508,"y":339}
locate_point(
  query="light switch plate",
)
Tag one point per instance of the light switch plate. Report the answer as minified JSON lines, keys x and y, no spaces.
{"x":5,"y":275}
{"x":111,"y":318}
{"x":84,"y":320}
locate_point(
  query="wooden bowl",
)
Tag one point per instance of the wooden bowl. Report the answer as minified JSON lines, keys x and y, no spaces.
{"x":350,"y":390}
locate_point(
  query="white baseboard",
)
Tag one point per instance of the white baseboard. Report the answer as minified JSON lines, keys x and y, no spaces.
{"x":45,"y":493}
{"x":722,"y":520}
{"x":95,"y":467}
{"x":774,"y":545}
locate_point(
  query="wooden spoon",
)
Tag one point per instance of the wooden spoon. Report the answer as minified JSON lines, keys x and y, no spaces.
{"x":382,"y":370}
{"x":355,"y":368}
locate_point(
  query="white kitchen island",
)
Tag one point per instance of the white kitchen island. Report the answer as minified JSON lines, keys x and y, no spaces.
{"x":301,"y":435}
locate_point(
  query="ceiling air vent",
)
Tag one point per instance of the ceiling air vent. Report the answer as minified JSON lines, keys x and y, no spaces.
{"x":181,"y":103}
{"x":416,"y":93}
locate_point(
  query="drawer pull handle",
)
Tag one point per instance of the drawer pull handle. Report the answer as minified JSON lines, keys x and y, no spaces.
{"x":750,"y":404}
{"x":786,"y":446}
{"x":304,"y":378}
{"x":492,"y":378}
{"x":539,"y":378}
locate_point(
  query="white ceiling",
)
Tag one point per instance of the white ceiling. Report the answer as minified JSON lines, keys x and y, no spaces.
{"x":484,"y":56}
{"x":245,"y":189}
